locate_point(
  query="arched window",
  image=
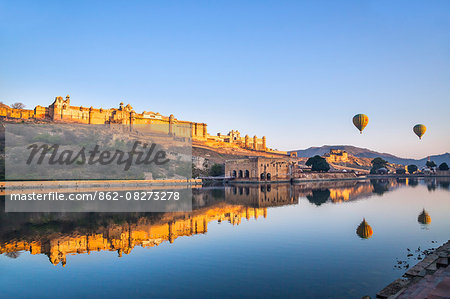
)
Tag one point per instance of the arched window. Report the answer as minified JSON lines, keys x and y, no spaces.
{"x":234,"y":173}
{"x":263,"y":176}
{"x":247,"y":174}
{"x":269,"y":176}
{"x":240,"y":173}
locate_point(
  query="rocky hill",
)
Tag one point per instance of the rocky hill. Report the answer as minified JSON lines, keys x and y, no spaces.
{"x":370,"y":154}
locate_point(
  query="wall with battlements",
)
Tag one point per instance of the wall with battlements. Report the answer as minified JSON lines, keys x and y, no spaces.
{"x":336,"y":156}
{"x":62,"y":111}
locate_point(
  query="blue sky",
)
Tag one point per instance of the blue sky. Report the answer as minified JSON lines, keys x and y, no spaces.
{"x":295,"y":71}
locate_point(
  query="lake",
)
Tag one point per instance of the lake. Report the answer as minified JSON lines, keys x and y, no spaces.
{"x":307,"y":240}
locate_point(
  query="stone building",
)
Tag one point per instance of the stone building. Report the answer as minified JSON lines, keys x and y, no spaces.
{"x":62,"y":111}
{"x":234,"y":137}
{"x":260,"y":169}
{"x":282,"y":169}
{"x":336,"y":156}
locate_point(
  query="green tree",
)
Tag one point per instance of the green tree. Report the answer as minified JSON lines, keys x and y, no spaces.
{"x":377,"y":163}
{"x":318,"y":163}
{"x":412,"y":168}
{"x":431,"y":164}
{"x":443,"y":166}
{"x":217,"y":170}
{"x":400,"y":171}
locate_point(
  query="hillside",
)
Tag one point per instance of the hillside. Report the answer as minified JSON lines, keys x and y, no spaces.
{"x":367,"y":153}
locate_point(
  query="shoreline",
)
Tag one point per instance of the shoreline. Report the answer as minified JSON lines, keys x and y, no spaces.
{"x":330,"y":178}
{"x":407,"y":176}
{"x":20,"y":185}
{"x":15,"y":185}
{"x":297,"y":181}
{"x":425,"y":278}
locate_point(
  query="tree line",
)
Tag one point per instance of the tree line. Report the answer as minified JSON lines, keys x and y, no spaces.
{"x":380,"y":165}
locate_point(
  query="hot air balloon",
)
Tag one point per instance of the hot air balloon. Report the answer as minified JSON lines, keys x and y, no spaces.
{"x":419,"y":130}
{"x":364,"y":231}
{"x":360,"y":121}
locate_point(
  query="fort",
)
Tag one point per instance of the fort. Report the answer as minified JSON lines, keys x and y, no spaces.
{"x":336,"y":156}
{"x":61,"y":110}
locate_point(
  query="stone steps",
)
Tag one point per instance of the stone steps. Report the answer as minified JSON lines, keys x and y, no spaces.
{"x":430,"y":278}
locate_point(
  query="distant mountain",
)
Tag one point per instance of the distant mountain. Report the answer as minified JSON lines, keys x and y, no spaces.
{"x":366,"y":153}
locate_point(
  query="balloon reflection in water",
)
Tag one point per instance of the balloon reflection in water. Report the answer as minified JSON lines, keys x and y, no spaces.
{"x":424,"y":217}
{"x":364,"y":230}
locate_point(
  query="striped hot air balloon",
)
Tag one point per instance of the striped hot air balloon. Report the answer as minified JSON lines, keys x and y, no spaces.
{"x":360,"y":121}
{"x":419,"y":130}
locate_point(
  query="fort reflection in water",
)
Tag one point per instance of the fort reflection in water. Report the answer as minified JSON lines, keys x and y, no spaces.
{"x":60,"y":234}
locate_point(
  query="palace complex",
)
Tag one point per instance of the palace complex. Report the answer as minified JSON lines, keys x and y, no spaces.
{"x":336,"y":156}
{"x":61,"y":110}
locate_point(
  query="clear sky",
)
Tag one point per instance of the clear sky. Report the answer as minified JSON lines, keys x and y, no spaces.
{"x":295,"y":71}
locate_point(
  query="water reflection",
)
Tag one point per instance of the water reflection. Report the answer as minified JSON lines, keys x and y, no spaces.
{"x":60,"y":234}
{"x":413,"y":182}
{"x":50,"y":234}
{"x":444,"y":185}
{"x":364,"y":231}
{"x":424,"y":217}
{"x":382,"y":186}
{"x":431,"y":184}
{"x":319,"y":196}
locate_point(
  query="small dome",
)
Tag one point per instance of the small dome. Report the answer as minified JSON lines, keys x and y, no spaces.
{"x":364,"y":230}
{"x":424,"y":218}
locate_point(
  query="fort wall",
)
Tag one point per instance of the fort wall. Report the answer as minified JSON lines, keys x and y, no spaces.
{"x":61,"y":110}
{"x":336,"y":156}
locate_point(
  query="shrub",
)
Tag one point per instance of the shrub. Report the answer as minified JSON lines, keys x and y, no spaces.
{"x":412,"y":168}
{"x":318,"y":163}
{"x":443,"y":166}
